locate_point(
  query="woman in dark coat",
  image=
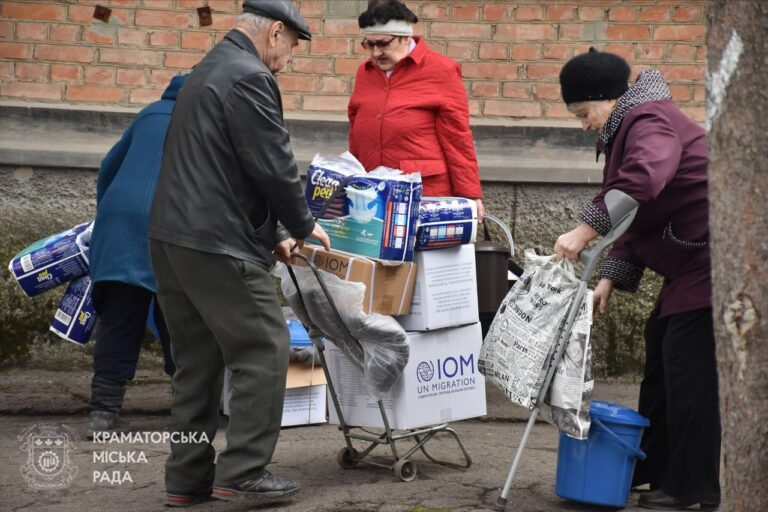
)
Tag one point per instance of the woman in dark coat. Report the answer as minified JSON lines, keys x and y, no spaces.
{"x":657,"y":155}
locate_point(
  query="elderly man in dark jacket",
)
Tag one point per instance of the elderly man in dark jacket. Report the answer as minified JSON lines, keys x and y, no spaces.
{"x":657,"y":155}
{"x":228,"y":194}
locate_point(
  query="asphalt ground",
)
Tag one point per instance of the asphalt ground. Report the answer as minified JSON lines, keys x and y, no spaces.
{"x":38,"y":398}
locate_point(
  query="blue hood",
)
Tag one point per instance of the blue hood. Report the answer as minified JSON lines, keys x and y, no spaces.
{"x":173,"y":88}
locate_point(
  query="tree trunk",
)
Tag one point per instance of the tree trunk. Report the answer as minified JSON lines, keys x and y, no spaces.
{"x":737,"y":117}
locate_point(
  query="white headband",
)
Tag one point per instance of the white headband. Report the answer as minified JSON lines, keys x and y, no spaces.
{"x":392,"y":27}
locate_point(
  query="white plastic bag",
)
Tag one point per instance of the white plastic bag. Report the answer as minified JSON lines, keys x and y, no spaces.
{"x":384,"y":344}
{"x":520,"y":342}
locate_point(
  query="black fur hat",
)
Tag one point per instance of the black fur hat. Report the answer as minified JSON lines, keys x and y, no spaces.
{"x":594,"y":76}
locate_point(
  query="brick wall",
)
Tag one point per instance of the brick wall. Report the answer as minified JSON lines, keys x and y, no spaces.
{"x":511,"y":52}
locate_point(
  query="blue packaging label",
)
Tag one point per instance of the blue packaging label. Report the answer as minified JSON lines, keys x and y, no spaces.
{"x":372,"y":216}
{"x":75,"y":317}
{"x":446,"y":222}
{"x":52,"y":261}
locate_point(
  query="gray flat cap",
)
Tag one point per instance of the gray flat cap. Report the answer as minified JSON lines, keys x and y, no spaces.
{"x":280,"y":10}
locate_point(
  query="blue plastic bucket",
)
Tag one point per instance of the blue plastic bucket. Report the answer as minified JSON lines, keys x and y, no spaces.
{"x":299,"y":336}
{"x":598,"y":470}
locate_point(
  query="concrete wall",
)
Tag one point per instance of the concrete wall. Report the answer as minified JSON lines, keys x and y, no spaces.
{"x":36,"y":202}
{"x":511,"y":51}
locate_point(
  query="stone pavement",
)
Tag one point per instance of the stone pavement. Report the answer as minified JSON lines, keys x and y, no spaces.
{"x":308,"y":454}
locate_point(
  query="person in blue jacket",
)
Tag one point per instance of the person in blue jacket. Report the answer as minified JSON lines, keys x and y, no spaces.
{"x":123,"y":281}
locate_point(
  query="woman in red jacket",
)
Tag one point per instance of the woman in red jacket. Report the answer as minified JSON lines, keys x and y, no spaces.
{"x":409,"y":109}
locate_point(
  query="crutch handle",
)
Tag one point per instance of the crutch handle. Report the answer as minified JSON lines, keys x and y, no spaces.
{"x":622,"y":209}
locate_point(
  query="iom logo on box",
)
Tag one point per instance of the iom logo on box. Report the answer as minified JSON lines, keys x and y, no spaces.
{"x":450,"y":374}
{"x":425,"y":371}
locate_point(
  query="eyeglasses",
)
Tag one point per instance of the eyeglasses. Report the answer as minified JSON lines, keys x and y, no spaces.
{"x":381,"y":45}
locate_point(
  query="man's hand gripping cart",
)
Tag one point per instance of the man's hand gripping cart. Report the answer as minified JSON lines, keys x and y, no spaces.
{"x":349,"y":457}
{"x":621,"y":210}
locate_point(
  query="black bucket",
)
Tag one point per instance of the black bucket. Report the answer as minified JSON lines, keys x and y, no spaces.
{"x":491,"y":266}
{"x":492,"y":262}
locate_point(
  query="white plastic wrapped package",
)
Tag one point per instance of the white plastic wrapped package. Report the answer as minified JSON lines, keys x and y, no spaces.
{"x":566,"y":405}
{"x":446,"y":222}
{"x":521,"y":339}
{"x":374,"y":215}
{"x":304,"y":355}
{"x":384,"y":351}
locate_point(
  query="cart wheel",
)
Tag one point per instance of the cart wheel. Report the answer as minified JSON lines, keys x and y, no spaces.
{"x":347,"y":457}
{"x":406,"y":470}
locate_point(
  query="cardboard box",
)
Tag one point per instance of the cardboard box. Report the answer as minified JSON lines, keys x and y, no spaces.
{"x":440,"y":383}
{"x":388,"y":288}
{"x":373,"y":216}
{"x":305,"y":395}
{"x":445,"y":292}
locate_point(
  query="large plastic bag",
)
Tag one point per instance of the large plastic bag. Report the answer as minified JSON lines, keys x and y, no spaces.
{"x":384,"y":351}
{"x":568,"y":398}
{"x":518,"y":348}
{"x":372,"y":214}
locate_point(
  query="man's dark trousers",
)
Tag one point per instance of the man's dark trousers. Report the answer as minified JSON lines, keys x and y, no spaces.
{"x":220,"y":311}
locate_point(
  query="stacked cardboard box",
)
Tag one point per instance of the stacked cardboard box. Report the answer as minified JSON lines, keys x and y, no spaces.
{"x":305,"y":395}
{"x":434,"y":298}
{"x":440,"y":383}
{"x":445,"y":292}
{"x":388,"y":288}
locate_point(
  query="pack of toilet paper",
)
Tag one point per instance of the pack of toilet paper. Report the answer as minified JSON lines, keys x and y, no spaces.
{"x":53,"y":260}
{"x":75,"y":317}
{"x":446,"y":222}
{"x":370,"y":214}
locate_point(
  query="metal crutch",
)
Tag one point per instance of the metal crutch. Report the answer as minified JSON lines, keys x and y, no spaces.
{"x":621,"y":210}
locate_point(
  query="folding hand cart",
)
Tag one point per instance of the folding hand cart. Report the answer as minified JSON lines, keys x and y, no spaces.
{"x":349,"y":457}
{"x":621,"y":210}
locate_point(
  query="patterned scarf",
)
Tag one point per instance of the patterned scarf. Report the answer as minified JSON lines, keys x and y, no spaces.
{"x":649,"y":86}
